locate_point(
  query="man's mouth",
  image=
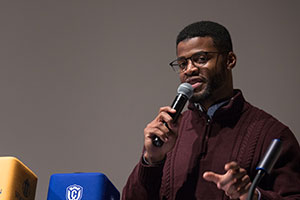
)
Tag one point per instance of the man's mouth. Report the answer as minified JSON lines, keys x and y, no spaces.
{"x":195,"y":85}
{"x":195,"y":82}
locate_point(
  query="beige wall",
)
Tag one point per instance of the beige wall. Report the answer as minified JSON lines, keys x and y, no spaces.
{"x":79,"y":80}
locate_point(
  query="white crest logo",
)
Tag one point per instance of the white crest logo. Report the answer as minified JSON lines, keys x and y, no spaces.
{"x":74,"y":192}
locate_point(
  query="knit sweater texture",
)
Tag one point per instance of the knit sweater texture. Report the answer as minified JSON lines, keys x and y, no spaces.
{"x":237,"y":132}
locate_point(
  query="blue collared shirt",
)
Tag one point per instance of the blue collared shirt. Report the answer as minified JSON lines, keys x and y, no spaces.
{"x":212,"y":109}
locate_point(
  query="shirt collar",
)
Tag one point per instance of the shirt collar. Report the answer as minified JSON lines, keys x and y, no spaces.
{"x":212,"y":109}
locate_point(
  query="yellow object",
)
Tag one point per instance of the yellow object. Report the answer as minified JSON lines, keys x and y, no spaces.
{"x":17,"y":181}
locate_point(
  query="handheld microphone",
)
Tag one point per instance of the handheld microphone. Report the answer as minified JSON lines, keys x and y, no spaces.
{"x":17,"y":181}
{"x":77,"y":186}
{"x":184,"y":93}
{"x":266,"y":164}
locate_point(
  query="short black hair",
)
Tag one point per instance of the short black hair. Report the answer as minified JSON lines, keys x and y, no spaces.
{"x":217,"y":32}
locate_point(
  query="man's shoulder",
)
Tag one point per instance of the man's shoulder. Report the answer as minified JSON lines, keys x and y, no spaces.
{"x":260,"y":116}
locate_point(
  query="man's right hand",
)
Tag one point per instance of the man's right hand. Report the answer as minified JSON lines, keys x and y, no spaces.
{"x":155,"y":154}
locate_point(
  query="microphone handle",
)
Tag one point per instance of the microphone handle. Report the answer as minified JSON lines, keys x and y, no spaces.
{"x":178,"y":104}
{"x":270,"y":157}
{"x":266,"y":164}
{"x":260,"y":174}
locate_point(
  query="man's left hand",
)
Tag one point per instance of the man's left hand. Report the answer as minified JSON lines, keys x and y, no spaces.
{"x":235,"y":182}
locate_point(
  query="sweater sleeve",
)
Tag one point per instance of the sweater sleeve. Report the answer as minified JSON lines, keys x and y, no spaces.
{"x":144,"y":182}
{"x":284,"y":180}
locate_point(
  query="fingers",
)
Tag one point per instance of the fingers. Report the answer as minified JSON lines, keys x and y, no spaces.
{"x":238,"y":187}
{"x":233,"y":175}
{"x":235,"y":182}
{"x":159,"y":130}
{"x":158,"y":127}
{"x":212,"y":177}
{"x":167,"y":109}
{"x":232,"y":165}
{"x":241,"y":188}
{"x":164,"y":114}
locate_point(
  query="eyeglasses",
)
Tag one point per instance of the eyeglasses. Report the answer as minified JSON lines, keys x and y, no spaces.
{"x":198,"y":59}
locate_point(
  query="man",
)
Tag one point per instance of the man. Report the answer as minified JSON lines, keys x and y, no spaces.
{"x":212,"y":151}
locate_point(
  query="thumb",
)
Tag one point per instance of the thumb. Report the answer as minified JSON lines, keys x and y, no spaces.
{"x":212,"y":177}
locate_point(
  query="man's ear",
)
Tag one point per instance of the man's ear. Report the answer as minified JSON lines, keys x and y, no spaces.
{"x":231,"y":60}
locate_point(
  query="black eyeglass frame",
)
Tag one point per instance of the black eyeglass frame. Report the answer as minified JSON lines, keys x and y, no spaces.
{"x":173,"y":64}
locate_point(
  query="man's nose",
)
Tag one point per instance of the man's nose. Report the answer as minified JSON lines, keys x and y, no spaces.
{"x":191,"y":68}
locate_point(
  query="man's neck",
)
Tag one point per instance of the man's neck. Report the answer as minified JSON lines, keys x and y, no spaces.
{"x":217,"y":99}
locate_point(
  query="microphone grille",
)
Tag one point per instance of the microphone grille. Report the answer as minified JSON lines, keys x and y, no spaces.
{"x":186,"y":89}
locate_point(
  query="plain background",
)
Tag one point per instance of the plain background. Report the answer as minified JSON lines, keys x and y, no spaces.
{"x":80,"y":80}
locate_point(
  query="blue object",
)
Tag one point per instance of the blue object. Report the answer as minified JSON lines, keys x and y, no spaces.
{"x":81,"y":186}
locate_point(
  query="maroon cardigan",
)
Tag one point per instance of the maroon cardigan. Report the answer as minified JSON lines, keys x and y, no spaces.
{"x":237,"y":132}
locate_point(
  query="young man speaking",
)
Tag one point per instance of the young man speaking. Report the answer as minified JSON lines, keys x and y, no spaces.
{"x":212,"y":150}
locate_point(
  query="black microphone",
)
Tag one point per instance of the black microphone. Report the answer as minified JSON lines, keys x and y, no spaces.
{"x":184,"y":93}
{"x":266,"y":164}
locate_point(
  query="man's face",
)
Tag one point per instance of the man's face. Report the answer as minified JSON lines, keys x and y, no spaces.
{"x":210,"y":78}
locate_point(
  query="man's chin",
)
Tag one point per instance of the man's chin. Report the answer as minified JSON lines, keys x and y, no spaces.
{"x":200,"y":97}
